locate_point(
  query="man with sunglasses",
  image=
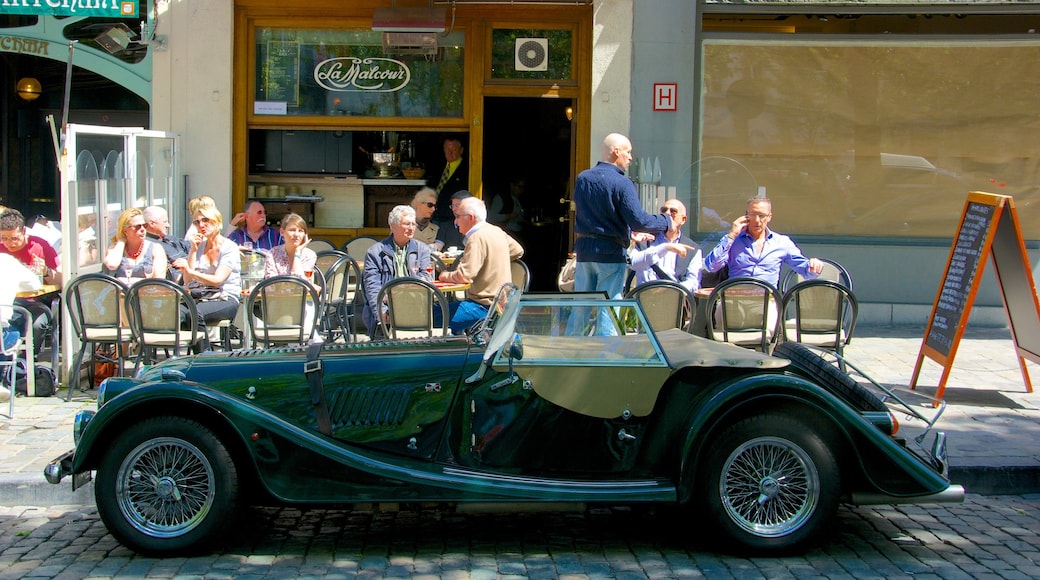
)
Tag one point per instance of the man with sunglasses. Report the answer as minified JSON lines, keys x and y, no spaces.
{"x":34,"y":252}
{"x":670,"y":255}
{"x":752,"y":249}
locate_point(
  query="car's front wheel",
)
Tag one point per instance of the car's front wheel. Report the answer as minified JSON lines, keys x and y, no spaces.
{"x":771,"y":484}
{"x":167,"y":486}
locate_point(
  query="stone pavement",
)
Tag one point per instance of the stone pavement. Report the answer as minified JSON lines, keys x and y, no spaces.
{"x":993,"y":424}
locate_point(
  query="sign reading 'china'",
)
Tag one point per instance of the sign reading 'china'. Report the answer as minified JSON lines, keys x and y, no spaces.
{"x":109,"y":8}
{"x":352,"y":74}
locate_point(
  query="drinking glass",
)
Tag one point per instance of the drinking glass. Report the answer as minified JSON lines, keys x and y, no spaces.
{"x":128,"y":270}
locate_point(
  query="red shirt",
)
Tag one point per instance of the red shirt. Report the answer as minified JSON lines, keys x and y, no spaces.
{"x":33,"y":247}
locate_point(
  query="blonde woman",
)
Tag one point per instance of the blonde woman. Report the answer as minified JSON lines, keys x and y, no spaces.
{"x":292,"y":257}
{"x":131,"y":254}
{"x":212,"y":270}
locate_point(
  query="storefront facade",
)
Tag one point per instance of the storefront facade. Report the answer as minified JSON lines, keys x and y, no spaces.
{"x":866,"y":125}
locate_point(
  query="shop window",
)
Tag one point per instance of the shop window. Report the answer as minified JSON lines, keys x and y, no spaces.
{"x":531,"y":54}
{"x":867,"y":137}
{"x":349,"y":73}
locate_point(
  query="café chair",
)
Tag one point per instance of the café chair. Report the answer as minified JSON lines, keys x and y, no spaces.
{"x":411,"y":303}
{"x":521,"y":274}
{"x":821,"y":313}
{"x":97,"y":308}
{"x":358,"y":245}
{"x":321,"y":245}
{"x":282,"y":310}
{"x":328,"y":258}
{"x":666,"y":304}
{"x":343,"y":299}
{"x":11,"y":359}
{"x":832,"y":271}
{"x":154,"y":308}
{"x":746,"y":312}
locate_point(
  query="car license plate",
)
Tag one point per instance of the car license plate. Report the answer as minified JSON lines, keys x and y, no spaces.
{"x":80,"y":479}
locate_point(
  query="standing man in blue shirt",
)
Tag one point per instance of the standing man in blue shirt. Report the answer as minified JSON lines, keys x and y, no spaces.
{"x":606,"y":211}
{"x":752,"y":249}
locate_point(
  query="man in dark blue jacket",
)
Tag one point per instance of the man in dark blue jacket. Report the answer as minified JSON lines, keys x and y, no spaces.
{"x":607,"y":209}
{"x":396,"y":256}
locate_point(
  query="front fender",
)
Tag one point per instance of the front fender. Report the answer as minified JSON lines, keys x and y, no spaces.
{"x":868,"y":448}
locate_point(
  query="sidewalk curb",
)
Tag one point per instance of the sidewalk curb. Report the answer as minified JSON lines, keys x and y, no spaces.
{"x":1006,"y":480}
{"x":33,"y":489}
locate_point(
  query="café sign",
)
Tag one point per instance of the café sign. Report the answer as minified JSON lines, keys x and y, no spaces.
{"x":353,"y":74}
{"x":106,"y":8}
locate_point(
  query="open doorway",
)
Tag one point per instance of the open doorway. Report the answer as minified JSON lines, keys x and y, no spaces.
{"x":528,"y":146}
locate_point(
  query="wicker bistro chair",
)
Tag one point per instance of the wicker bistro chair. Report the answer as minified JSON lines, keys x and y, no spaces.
{"x":282,"y":310}
{"x":357,"y":246}
{"x":12,"y":357}
{"x":666,"y":304}
{"x":521,"y":274}
{"x":154,"y":307}
{"x":746,"y":312}
{"x":344,"y":297}
{"x":832,"y":271}
{"x":320,"y":245}
{"x":411,"y":302}
{"x":821,"y":313}
{"x":97,"y":308}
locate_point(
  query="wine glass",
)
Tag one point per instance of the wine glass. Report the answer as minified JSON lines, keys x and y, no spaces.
{"x":128,"y":269}
{"x":429,"y":270}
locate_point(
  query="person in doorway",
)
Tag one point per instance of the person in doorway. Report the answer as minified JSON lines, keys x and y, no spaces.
{"x":453,"y":177}
{"x":506,"y":209}
{"x":752,"y":249}
{"x":670,"y":255}
{"x":607,"y":210}
{"x":484,"y":264}
{"x":252,"y":229}
{"x":400,"y":254}
{"x":132,"y":254}
{"x":41,"y":258}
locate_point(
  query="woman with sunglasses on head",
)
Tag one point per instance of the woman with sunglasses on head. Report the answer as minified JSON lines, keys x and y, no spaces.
{"x":132,"y":254}
{"x":212,"y":270}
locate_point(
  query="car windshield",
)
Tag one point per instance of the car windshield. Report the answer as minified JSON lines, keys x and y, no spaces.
{"x":502,"y":319}
{"x":566,"y":330}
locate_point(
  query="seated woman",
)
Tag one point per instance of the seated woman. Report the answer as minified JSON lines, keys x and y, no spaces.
{"x":212,"y":270}
{"x":131,"y":254}
{"x":398,"y":255}
{"x":292,"y":257}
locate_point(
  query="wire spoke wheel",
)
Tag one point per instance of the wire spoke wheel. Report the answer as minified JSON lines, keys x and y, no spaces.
{"x":769,"y":487}
{"x":165,"y":487}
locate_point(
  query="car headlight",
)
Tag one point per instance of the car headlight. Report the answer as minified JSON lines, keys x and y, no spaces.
{"x":79,"y":424}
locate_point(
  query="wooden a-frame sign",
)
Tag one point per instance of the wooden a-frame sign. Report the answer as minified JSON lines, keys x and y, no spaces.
{"x":988,"y":226}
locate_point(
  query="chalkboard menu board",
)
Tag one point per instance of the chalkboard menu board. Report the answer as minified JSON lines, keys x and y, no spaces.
{"x":988,"y":226}
{"x":952,"y":304}
{"x":282,"y":69}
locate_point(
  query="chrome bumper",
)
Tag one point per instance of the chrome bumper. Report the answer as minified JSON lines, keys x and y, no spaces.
{"x":61,"y":466}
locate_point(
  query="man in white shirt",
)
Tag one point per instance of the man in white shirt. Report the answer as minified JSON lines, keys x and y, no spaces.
{"x":670,"y":255}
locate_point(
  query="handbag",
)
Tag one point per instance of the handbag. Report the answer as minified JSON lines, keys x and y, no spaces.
{"x":104,"y":365}
{"x":202,"y":293}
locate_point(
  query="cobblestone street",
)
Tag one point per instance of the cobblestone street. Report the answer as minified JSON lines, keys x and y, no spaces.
{"x":987,"y":536}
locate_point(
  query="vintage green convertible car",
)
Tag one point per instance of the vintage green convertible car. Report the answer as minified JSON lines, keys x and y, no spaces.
{"x":536,"y":405}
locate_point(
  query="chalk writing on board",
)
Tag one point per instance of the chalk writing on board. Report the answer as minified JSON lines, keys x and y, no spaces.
{"x":960,"y":276}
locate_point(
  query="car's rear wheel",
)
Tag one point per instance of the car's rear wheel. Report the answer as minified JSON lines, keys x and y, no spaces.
{"x":167,"y":486}
{"x":771,"y":483}
{"x":829,"y":376}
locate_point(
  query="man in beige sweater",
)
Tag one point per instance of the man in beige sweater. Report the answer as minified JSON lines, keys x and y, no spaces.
{"x":484,"y":264}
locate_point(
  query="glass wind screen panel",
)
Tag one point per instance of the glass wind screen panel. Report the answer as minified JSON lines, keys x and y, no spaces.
{"x":348,"y":72}
{"x":154,"y":171}
{"x":531,"y":54}
{"x":866,"y":138}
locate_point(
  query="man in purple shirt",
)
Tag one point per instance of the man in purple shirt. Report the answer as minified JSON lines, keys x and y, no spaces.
{"x":752,"y":249}
{"x":254,"y":228}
